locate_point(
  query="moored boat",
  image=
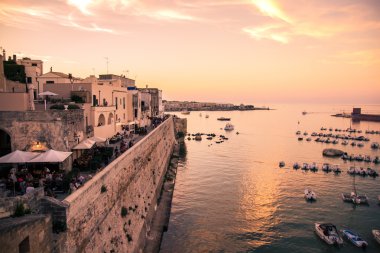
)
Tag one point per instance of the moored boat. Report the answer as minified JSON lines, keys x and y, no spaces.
{"x":328,"y":233}
{"x":354,"y":238}
{"x":376,"y":234}
{"x":296,"y":166}
{"x":336,"y":168}
{"x":229,"y":127}
{"x":281,"y":164}
{"x":310,"y":195}
{"x":224,"y":119}
{"x":185,"y":112}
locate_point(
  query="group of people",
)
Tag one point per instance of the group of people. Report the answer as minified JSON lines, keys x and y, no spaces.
{"x":23,"y":181}
{"x":76,"y":183}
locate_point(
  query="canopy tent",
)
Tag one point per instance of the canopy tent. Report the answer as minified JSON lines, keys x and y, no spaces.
{"x":51,"y":156}
{"x":86,"y":144}
{"x":18,"y":156}
{"x":97,"y":139}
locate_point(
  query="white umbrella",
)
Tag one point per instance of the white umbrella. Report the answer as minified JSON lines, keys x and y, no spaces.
{"x":51,"y":156}
{"x":48,"y":93}
{"x":86,"y":144}
{"x":97,"y":139}
{"x":18,"y":157}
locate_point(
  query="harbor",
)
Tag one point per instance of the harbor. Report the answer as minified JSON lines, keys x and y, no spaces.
{"x":263,"y":206}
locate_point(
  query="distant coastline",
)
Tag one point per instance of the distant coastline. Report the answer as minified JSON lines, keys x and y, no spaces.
{"x":176,"y":106}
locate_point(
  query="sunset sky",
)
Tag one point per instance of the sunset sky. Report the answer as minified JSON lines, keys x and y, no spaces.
{"x":257,"y":51}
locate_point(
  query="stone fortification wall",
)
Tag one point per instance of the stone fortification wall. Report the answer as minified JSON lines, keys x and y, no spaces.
{"x":57,"y":128}
{"x":111,"y":212}
{"x":26,"y":234}
{"x":29,"y":200}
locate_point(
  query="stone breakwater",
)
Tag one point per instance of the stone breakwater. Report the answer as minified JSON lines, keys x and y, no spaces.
{"x":113,"y":211}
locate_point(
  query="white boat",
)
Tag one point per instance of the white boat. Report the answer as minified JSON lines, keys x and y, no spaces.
{"x":229,"y":127}
{"x":359,"y":199}
{"x":328,"y":233}
{"x":354,"y":238}
{"x":305,"y":166}
{"x":310,"y":195}
{"x":185,"y":112}
{"x":375,"y":145}
{"x":376,"y":234}
{"x":313,"y":167}
{"x":326,"y":167}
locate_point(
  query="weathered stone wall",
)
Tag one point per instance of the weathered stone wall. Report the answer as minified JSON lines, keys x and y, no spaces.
{"x":29,"y":200}
{"x":110,"y":212}
{"x":55,"y":127}
{"x":31,"y":228}
{"x":180,"y":125}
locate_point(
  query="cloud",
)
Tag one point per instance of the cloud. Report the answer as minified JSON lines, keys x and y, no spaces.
{"x":271,"y":9}
{"x":271,"y":32}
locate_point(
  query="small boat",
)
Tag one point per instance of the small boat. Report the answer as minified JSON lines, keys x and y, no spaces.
{"x":185,"y":112}
{"x":328,"y":233}
{"x":296,"y":166}
{"x":206,"y":116}
{"x":376,"y":234}
{"x":353,"y":144}
{"x":344,"y":143}
{"x":305,"y":133}
{"x":313,"y":167}
{"x":300,"y":138}
{"x":281,"y":164}
{"x":298,"y":132}
{"x":359,"y":199}
{"x":304,"y":112}
{"x":354,"y":238}
{"x":360,"y":145}
{"x":376,"y":160}
{"x":305,"y":166}
{"x":200,"y":115}
{"x":346,"y":197}
{"x":229,"y":127}
{"x":336,"y":169}
{"x":375,"y":145}
{"x":308,"y":139}
{"x":198,"y":137}
{"x":326,"y":167}
{"x":209,"y":138}
{"x":310,"y":195}
{"x":372,"y":173}
{"x":224,"y":119}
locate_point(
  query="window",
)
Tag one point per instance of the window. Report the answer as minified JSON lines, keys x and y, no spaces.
{"x":124,"y":103}
{"x":28,"y":79}
{"x":34,"y":64}
{"x":116,"y":102}
{"x":124,"y":115}
{"x":49,"y":81}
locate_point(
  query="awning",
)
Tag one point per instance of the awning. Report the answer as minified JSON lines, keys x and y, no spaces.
{"x":97,"y":139}
{"x":51,"y":156}
{"x":86,"y":144}
{"x":47,"y":93}
{"x":18,"y":156}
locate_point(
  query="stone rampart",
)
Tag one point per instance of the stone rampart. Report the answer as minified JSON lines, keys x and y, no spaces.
{"x":111,"y":212}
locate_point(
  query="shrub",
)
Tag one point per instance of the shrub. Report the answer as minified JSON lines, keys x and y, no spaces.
{"x":57,"y":107}
{"x":19,"y":210}
{"x":59,"y":226}
{"x":73,"y":107}
{"x":77,"y":99}
{"x":124,"y":211}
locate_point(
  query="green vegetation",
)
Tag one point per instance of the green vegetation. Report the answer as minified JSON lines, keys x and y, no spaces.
{"x":62,"y":107}
{"x":14,"y":72}
{"x":124,"y":211}
{"x":77,"y":99}
{"x":20,"y":210}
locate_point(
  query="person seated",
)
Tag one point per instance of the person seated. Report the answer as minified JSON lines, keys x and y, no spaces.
{"x":29,"y":188}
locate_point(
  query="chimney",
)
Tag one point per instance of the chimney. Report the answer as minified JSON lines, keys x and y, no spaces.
{"x":4,"y":55}
{"x":14,"y":58}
